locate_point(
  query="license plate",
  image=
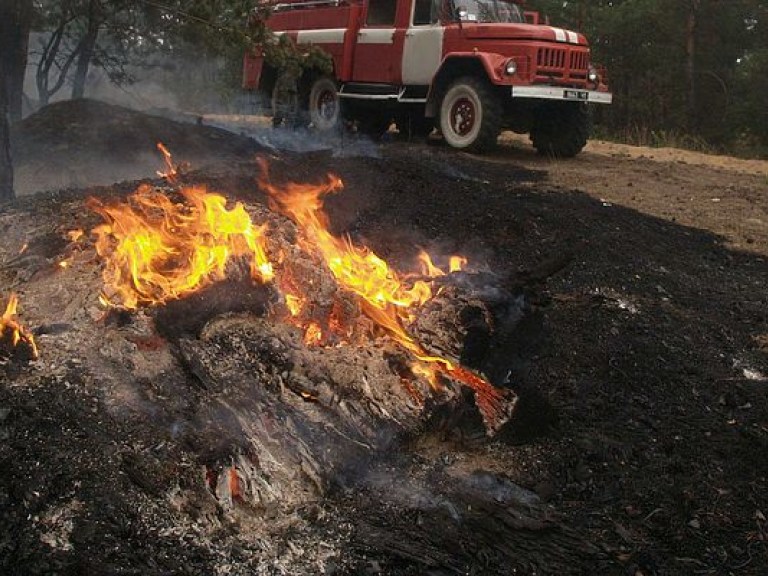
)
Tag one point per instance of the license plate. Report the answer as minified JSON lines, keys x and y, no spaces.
{"x":575,"y":95}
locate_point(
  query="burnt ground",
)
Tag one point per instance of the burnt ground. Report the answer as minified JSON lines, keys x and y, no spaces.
{"x":643,"y":363}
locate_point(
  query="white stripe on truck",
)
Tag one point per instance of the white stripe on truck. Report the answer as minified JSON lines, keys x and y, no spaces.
{"x":559,"y":34}
{"x":422,"y":53}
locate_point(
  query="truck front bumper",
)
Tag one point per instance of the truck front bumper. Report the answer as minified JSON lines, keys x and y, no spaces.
{"x":561,"y":93}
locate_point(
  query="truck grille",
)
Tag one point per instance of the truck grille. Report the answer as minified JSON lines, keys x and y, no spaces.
{"x":579,"y":61}
{"x":562,"y":63}
{"x":550,"y":58}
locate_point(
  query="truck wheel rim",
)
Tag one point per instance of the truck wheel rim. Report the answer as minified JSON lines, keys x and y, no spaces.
{"x":326,"y":105}
{"x":463,"y":116}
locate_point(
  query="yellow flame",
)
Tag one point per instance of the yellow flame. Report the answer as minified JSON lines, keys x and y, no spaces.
{"x":294,"y":304}
{"x":456,"y":263}
{"x":12,"y":329}
{"x":75,"y":235}
{"x":383,"y":296}
{"x":157,"y":250}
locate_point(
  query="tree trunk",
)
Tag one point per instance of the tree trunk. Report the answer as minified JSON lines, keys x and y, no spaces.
{"x":85,"y":49}
{"x":690,"y":62}
{"x":48,"y":61}
{"x":11,"y":36}
{"x":15,"y":22}
{"x":6,"y":168}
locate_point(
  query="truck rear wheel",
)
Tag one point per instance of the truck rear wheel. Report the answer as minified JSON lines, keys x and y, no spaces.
{"x":324,"y":104}
{"x":561,"y":129}
{"x":470,"y":115}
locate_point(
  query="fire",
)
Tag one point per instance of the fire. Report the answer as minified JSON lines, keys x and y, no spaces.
{"x":13,"y":331}
{"x":75,"y":235}
{"x":356,"y":268}
{"x":158,"y":250}
{"x":384,"y":297}
{"x":428,"y":268}
{"x":294,"y":304}
{"x":456,"y":263}
{"x":313,"y":334}
{"x":170,"y":168}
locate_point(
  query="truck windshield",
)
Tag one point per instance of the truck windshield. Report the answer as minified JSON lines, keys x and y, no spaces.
{"x":484,"y":11}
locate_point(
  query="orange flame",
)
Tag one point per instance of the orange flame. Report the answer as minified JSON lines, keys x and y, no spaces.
{"x":158,"y":250}
{"x":11,"y":329}
{"x":356,"y":268}
{"x":427,"y":267}
{"x":170,"y":168}
{"x":384,"y":297}
{"x":75,"y":235}
{"x":313,"y":334}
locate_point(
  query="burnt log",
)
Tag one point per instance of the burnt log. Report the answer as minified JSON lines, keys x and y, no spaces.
{"x":298,"y":418}
{"x":280,"y":424}
{"x":449,"y":522}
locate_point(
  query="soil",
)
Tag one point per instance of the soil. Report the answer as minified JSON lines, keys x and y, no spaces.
{"x":641,"y":365}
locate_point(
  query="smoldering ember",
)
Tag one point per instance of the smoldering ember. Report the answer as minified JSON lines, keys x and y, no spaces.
{"x":357,"y":357}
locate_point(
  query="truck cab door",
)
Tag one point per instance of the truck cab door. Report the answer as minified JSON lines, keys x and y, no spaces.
{"x":378,"y":52}
{"x":423,"y":44}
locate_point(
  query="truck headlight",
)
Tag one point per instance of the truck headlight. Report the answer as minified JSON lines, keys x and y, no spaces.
{"x":592,"y":75}
{"x":511,"y":68}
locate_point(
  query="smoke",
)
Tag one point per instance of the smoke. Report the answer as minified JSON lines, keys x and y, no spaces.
{"x":204,"y":91}
{"x":343,"y":143}
{"x":398,"y":486}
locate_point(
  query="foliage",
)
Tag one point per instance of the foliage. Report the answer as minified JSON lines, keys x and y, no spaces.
{"x":281,"y":52}
{"x":79,"y":33}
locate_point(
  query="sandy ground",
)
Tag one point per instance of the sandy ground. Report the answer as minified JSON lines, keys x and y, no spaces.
{"x":725,"y":195}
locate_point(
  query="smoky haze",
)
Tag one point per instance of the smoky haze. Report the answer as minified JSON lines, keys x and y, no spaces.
{"x":178,"y":101}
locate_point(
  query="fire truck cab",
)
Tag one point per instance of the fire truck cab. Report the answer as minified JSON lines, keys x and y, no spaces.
{"x":470,"y":68}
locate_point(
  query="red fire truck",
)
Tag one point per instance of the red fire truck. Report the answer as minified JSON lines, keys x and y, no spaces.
{"x":469,"y":68}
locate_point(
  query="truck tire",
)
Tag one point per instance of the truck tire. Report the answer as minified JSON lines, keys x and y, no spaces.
{"x":470,"y":115}
{"x":324,"y":104}
{"x":561,"y":129}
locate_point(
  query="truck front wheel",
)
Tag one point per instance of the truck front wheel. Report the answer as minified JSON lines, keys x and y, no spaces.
{"x":470,"y":115}
{"x":324,"y":104}
{"x":561,"y":129}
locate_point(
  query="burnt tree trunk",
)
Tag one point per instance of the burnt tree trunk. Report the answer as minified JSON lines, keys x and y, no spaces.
{"x":15,"y":22}
{"x":6,"y":168}
{"x":85,"y":50}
